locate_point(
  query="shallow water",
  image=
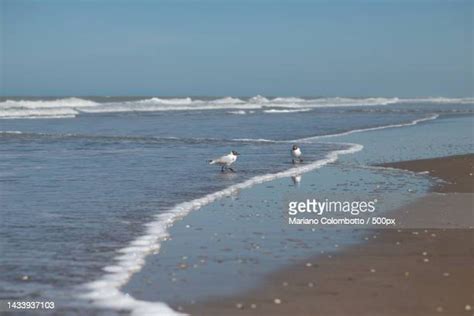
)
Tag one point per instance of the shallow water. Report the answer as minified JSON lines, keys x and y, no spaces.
{"x":231,"y":245}
{"x":76,"y":190}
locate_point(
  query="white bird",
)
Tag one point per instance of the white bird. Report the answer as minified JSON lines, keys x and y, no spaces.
{"x":296,"y":153}
{"x":225,"y":161}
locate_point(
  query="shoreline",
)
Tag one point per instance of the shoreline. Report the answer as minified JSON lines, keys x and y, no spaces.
{"x":118,"y":275}
{"x":398,"y":272}
{"x":452,"y":170}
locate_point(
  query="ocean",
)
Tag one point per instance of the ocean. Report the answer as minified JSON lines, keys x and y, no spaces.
{"x":99,"y":194}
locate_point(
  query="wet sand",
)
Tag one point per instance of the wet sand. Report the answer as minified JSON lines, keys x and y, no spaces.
{"x":423,"y":271}
{"x":456,"y":171}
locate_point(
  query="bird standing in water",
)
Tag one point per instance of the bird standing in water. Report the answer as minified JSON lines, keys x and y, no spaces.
{"x":296,"y":154}
{"x":225,"y":161}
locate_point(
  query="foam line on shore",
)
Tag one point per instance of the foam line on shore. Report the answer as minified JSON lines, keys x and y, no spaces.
{"x":106,"y":292}
{"x":354,"y":131}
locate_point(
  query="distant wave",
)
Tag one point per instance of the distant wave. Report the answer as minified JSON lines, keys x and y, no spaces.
{"x":71,"y":107}
{"x":189,"y":101}
{"x":288,"y":100}
{"x":175,"y":101}
{"x":46,"y":104}
{"x":59,"y":108}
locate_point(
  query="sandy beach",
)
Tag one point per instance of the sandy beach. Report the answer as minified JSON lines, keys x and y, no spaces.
{"x":423,"y":271}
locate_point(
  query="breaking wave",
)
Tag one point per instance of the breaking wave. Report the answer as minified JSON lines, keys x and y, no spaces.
{"x":72,"y":107}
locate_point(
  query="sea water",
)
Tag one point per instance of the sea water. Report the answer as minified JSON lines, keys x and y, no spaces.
{"x":90,"y":187}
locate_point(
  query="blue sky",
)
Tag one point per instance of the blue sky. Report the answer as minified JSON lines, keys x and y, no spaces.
{"x":238,"y":48}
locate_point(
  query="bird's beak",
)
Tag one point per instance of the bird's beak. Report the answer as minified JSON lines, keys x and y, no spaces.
{"x":237,"y":154}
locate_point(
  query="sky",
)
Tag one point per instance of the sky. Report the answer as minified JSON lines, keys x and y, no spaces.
{"x":237,"y":48}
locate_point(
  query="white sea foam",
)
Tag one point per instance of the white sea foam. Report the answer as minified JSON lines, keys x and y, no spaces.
{"x":258,"y":99}
{"x":38,"y":113}
{"x":286,"y":111}
{"x":189,"y":101}
{"x":172,"y":101}
{"x":106,"y":292}
{"x":11,"y":132}
{"x":227,"y":100}
{"x":288,"y":100}
{"x":47,"y":104}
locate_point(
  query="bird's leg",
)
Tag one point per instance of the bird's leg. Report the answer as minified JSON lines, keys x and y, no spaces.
{"x":301,"y":159}
{"x":223,"y":168}
{"x":293,"y":161}
{"x":231,"y":169}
